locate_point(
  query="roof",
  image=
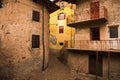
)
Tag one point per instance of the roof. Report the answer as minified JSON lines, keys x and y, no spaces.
{"x":70,"y":1}
{"x":51,"y":6}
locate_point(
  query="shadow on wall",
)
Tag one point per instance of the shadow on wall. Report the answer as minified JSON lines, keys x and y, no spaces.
{"x":6,"y":68}
{"x":22,"y":70}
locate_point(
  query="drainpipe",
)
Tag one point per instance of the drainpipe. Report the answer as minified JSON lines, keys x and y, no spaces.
{"x":43,"y":63}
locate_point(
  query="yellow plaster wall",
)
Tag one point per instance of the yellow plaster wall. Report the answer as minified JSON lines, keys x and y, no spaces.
{"x":54,"y":28}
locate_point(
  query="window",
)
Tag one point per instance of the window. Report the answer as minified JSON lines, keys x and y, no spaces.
{"x":1,"y":4}
{"x":95,"y":33}
{"x":113,"y":31}
{"x":36,"y":16}
{"x":61,"y":43}
{"x":36,"y":1}
{"x":61,"y":16}
{"x":35,"y":41}
{"x":61,"y":29}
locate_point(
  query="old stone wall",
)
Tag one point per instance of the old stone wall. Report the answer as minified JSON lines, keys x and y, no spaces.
{"x":114,"y":70}
{"x":17,"y":57}
{"x":113,"y":10}
{"x":78,"y":62}
{"x":83,"y":33}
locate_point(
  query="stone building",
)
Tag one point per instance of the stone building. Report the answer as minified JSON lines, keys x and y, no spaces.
{"x":24,"y":37}
{"x":59,"y":28}
{"x":97,"y":40}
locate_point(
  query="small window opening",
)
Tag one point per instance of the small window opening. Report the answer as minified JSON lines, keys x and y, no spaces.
{"x":113,"y":31}
{"x":61,"y":43}
{"x":61,"y":16}
{"x":36,"y":16}
{"x":61,"y":29}
{"x":35,"y":41}
{"x":1,"y":4}
{"x":36,"y":1}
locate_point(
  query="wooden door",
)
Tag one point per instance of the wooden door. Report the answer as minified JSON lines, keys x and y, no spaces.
{"x":92,"y":64}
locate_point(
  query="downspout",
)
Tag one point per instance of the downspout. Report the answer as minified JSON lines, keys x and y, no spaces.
{"x":43,"y":63}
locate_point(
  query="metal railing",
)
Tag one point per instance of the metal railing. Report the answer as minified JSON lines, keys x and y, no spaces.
{"x":97,"y":44}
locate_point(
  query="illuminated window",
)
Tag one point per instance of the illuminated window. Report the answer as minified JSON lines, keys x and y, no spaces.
{"x":61,"y":16}
{"x":36,"y":16}
{"x":61,"y":29}
{"x":35,"y":41}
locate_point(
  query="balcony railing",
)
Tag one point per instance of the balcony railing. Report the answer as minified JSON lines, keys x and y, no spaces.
{"x":96,"y":45}
{"x":84,"y":18}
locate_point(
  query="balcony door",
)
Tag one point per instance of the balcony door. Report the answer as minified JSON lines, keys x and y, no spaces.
{"x":95,"y":33}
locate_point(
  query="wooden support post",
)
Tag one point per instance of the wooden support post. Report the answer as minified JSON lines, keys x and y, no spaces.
{"x":96,"y":65}
{"x":108,"y":65}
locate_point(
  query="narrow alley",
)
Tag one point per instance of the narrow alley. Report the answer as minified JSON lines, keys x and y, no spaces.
{"x":59,"y":39}
{"x":55,"y":71}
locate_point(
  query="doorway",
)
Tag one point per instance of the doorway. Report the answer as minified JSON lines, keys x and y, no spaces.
{"x":92,"y":65}
{"x":95,"y":33}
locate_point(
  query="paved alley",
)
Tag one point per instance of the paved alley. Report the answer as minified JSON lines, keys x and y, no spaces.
{"x":55,"y":71}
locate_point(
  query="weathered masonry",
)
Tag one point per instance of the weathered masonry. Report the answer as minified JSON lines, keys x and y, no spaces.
{"x":96,"y":50}
{"x":24,"y":37}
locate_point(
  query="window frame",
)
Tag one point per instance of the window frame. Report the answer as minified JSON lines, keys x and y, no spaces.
{"x":61,"y":43}
{"x":35,"y":16}
{"x":36,"y":1}
{"x":115,"y":33}
{"x":35,"y":41}
{"x":61,"y":16}
{"x":61,"y":29}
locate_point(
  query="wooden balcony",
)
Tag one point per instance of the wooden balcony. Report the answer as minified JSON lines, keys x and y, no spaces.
{"x":87,"y":23}
{"x":86,"y":18}
{"x":97,"y":45}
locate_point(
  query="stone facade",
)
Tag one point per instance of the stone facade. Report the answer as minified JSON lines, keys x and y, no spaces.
{"x":17,"y":57}
{"x":113,"y":10}
{"x":78,"y":59}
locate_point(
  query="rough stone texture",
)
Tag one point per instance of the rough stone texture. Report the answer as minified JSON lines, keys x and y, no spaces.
{"x":113,"y":9}
{"x":58,"y":71}
{"x":17,"y":57}
{"x":114,"y":67}
{"x":83,"y":33}
{"x":79,"y":65}
{"x":79,"y":62}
